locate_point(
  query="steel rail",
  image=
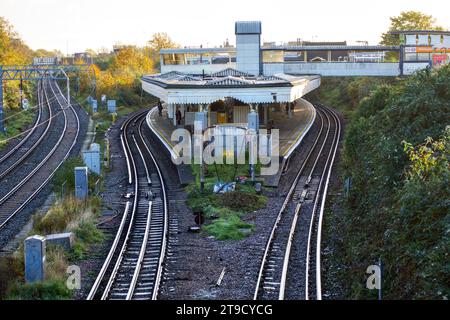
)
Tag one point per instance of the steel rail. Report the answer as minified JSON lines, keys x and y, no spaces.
{"x":166,"y":218}
{"x":137,"y":270}
{"x":49,"y":177}
{"x":321,"y":213}
{"x":110,"y":255}
{"x":110,"y":288}
{"x":35,"y":125}
{"x":311,"y":223}
{"x":283,"y":207}
{"x":132,"y":165}
{"x":32,"y":173}
{"x":320,"y":194}
{"x":294,"y":221}
{"x":34,"y":146}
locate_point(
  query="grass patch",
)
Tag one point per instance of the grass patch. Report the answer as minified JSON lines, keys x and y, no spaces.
{"x":65,"y":175}
{"x":46,"y":290}
{"x":87,"y":234}
{"x":229,"y":228}
{"x":67,"y":214}
{"x":228,"y":208}
{"x":17,"y":122}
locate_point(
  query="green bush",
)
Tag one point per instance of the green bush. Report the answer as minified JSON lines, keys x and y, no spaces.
{"x":390,"y":215}
{"x":47,"y":290}
{"x":65,"y":173}
{"x":11,"y":267}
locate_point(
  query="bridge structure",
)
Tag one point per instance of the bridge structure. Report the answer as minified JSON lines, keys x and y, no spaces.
{"x":35,"y":73}
{"x":308,"y":58}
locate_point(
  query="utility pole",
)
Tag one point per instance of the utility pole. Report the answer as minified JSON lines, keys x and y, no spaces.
{"x":21,"y":92}
{"x":2,"y":127}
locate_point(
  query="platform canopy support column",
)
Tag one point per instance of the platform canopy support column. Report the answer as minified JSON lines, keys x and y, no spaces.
{"x":266,"y":114}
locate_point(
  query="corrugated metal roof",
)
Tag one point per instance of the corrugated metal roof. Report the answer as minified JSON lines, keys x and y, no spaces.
{"x":248,"y":27}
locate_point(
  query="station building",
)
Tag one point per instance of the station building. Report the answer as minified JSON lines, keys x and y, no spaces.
{"x":228,"y":85}
{"x":232,"y":85}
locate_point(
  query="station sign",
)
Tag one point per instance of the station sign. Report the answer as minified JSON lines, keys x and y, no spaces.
{"x":429,"y":49}
{"x":410,"y":49}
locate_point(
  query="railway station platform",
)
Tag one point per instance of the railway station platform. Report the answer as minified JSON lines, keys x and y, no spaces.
{"x":292,"y":130}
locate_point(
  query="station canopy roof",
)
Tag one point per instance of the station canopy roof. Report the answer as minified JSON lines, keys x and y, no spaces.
{"x":180,"y":88}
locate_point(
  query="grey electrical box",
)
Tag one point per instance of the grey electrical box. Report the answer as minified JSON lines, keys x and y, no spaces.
{"x":81,"y":182}
{"x":111,"y":106}
{"x":34,"y":250}
{"x":92,"y":158}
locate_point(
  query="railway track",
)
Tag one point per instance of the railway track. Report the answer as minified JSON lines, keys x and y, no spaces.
{"x":46,"y":149}
{"x":133,"y":268}
{"x":31,"y":141}
{"x":14,"y":151}
{"x":300,"y":218}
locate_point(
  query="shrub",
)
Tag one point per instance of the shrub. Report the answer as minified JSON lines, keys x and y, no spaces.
{"x":242,"y":201}
{"x":10,"y":268}
{"x":47,"y":290}
{"x":397,"y":208}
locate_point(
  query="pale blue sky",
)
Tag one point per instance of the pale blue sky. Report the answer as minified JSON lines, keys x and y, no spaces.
{"x":79,"y":24}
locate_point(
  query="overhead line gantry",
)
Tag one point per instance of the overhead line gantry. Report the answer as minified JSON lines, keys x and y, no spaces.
{"x":36,"y":73}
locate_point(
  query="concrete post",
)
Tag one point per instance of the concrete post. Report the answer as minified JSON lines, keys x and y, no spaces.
{"x":266,"y":114}
{"x":170,"y":112}
{"x":253,"y":126}
{"x":200,"y":125}
{"x":81,"y":183}
{"x":253,"y":120}
{"x":175,"y":108}
{"x":34,"y":249}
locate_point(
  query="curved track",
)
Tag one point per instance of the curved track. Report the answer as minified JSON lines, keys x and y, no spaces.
{"x":22,"y":151}
{"x":23,"y":180}
{"x":133,"y":267}
{"x":15,"y":151}
{"x":302,"y":209}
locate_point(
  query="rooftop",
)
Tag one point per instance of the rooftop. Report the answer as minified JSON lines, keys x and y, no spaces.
{"x":444,"y":32}
{"x":247,"y":27}
{"x":228,"y":78}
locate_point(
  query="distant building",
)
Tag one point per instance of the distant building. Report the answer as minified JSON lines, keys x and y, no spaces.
{"x":425,"y":46}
